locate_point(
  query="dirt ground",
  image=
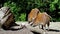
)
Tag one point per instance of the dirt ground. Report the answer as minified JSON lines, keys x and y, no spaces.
{"x":54,"y":29}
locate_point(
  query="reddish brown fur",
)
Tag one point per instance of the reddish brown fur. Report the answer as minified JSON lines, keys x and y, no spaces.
{"x":42,"y":19}
{"x":32,"y":15}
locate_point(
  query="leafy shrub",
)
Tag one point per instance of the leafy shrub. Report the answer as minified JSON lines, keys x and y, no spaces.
{"x":22,"y":17}
{"x":14,"y":9}
{"x":20,"y":8}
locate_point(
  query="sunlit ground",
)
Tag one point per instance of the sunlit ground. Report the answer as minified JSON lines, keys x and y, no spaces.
{"x":53,"y":25}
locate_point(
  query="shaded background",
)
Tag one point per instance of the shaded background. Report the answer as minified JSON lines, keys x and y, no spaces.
{"x":21,"y":8}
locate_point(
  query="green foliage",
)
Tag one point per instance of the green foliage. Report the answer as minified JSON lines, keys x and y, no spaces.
{"x":55,"y":1}
{"x":14,"y":8}
{"x":20,"y":7}
{"x":22,"y":17}
{"x":52,"y":7}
